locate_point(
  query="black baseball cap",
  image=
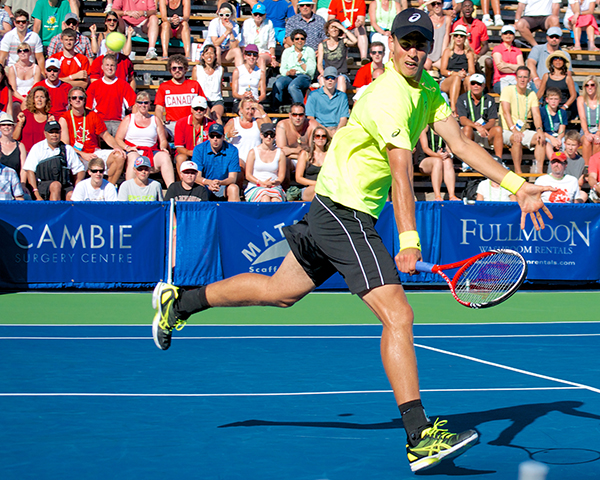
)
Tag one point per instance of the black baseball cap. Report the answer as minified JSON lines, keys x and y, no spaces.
{"x":412,"y":20}
{"x":53,"y":125}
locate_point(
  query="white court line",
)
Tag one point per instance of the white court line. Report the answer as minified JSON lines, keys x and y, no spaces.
{"x":314,"y":337}
{"x":512,"y":369}
{"x":280,"y":394}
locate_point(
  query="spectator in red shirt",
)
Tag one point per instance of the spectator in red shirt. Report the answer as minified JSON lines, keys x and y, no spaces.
{"x":110,"y":96}
{"x":191,"y":130}
{"x":507,"y":58}
{"x":124,"y":69}
{"x":364,"y":75}
{"x":57,"y":89}
{"x":174,"y":98}
{"x":141,"y":15}
{"x":351,"y":14}
{"x":32,"y":119}
{"x":73,"y":65}
{"x":83,"y":129}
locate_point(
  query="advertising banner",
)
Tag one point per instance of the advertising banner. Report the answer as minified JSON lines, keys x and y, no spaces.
{"x":566,"y":250}
{"x":88,"y":244}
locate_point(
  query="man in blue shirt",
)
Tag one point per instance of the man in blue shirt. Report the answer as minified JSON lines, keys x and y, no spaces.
{"x":278,"y":11}
{"x":218,"y":166}
{"x":328,"y":105}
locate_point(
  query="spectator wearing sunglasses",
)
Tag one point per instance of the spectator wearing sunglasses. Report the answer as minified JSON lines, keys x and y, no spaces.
{"x":82,"y":43}
{"x":294,"y":133}
{"x":18,"y":35}
{"x":23,"y":75}
{"x":174,"y":97}
{"x":306,"y":19}
{"x":442,"y":26}
{"x":95,"y":188}
{"x":98,"y":39}
{"x":218,"y":166}
{"x":49,"y":17}
{"x":298,"y":65}
{"x":224,"y":33}
{"x":327,"y":105}
{"x":192,"y":130}
{"x":57,"y":89}
{"x":536,"y":60}
{"x":364,"y":75}
{"x":259,"y":31}
{"x":83,"y":129}
{"x":248,"y":80}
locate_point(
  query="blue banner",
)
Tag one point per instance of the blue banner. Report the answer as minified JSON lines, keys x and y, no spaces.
{"x":198,"y":255}
{"x":93,"y":245}
{"x":566,"y":250}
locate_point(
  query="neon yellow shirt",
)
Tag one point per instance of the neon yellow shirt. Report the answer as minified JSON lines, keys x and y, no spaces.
{"x":356,"y":172}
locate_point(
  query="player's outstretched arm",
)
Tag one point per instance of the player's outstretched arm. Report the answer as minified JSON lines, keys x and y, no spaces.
{"x":528,"y":195}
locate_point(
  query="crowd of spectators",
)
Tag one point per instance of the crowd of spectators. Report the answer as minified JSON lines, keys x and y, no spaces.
{"x":71,"y":105}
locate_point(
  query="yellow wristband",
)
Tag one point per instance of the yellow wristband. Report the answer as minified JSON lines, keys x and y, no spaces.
{"x":410,"y":239}
{"x":512,"y":182}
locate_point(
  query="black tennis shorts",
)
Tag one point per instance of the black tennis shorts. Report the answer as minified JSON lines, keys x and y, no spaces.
{"x":332,"y":237}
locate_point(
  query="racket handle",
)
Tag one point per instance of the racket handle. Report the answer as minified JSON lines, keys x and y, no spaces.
{"x":424,"y":267}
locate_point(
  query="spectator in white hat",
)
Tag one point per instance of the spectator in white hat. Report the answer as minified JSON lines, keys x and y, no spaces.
{"x":456,"y":65}
{"x":187,"y":190}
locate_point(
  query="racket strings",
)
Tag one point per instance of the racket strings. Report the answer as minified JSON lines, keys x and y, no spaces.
{"x":489,"y":278}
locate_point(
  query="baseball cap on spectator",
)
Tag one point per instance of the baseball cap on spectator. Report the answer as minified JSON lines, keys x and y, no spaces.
{"x":142,"y":162}
{"x":558,"y":157}
{"x":216,"y":128}
{"x":330,"y":72}
{"x":507,"y":28}
{"x":412,"y":20}
{"x":306,"y":2}
{"x":71,"y":16}
{"x":554,"y":31}
{"x":477,"y":77}
{"x":6,"y":119}
{"x":53,"y":62}
{"x":259,"y":8}
{"x":267,"y":127}
{"x":188,"y":165}
{"x":251,"y":48}
{"x":53,"y":125}
{"x":199,"y":101}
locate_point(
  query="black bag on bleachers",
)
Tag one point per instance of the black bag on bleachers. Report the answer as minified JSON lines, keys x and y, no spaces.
{"x":55,"y":169}
{"x":470,"y":191}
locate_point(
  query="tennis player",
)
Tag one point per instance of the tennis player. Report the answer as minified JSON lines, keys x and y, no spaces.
{"x":367,"y":157}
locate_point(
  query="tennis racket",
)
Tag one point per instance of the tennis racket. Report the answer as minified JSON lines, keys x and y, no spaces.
{"x":484,"y":280}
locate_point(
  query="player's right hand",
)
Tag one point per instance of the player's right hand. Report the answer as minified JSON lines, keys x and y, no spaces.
{"x":529,"y":197}
{"x":406,"y":260}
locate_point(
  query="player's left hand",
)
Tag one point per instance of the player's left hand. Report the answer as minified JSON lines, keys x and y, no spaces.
{"x":530,"y":201}
{"x":406,"y":260}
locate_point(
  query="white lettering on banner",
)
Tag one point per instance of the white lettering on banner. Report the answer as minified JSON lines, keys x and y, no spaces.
{"x":496,"y":232}
{"x":273,"y":249}
{"x":96,"y":239}
{"x":180,"y":100}
{"x":252,"y":252}
{"x":70,"y":258}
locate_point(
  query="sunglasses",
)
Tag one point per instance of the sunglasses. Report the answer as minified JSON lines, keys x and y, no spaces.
{"x":588,"y":85}
{"x":300,"y":38}
{"x":476,"y":83}
{"x":377,"y":52}
{"x":143,"y":169}
{"x":224,"y":15}
{"x":215,"y":135}
{"x":77,"y":97}
{"x":554,"y":36}
{"x":251,"y":54}
{"x":330,"y":78}
{"x":177,"y":68}
{"x":52,"y":69}
{"x":143,"y":103}
{"x":199,"y":109}
{"x":297,"y":114}
{"x":71,"y":23}
{"x":305,"y":5}
{"x":269,"y":134}
{"x":436,"y":4}
{"x":320,"y":136}
{"x":111,"y":20}
{"x":97,"y":171}
{"x":21,"y":22}
{"x":259,"y":14}
{"x":22,"y":50}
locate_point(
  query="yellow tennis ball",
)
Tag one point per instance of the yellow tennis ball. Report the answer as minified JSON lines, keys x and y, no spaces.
{"x":115,"y":41}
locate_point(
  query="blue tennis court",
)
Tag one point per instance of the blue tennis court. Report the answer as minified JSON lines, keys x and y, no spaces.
{"x":297,"y":402}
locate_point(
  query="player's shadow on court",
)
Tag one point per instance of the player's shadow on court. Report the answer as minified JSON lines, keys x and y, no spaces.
{"x":520,"y":416}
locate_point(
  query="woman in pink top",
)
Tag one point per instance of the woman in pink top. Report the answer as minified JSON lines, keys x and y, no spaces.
{"x":142,"y":134}
{"x":507,"y":58}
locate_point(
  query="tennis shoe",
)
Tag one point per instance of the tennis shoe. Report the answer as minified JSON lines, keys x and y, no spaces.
{"x":165,"y":320}
{"x":437,"y":444}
